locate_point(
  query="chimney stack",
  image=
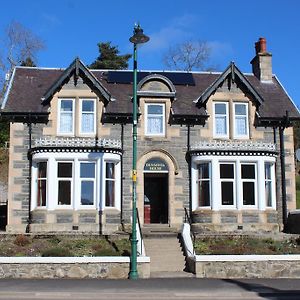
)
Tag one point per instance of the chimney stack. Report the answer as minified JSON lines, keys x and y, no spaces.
{"x":262,"y":62}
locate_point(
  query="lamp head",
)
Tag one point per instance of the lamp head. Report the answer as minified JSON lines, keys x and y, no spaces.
{"x":138,"y":36}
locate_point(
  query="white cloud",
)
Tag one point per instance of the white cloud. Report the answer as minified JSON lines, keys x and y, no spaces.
{"x":52,"y":20}
{"x":176,"y":31}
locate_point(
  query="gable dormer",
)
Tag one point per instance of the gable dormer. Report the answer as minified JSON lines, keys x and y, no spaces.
{"x":76,"y":101}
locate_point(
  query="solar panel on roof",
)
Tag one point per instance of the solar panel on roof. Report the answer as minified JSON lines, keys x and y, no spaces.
{"x":126,"y":77}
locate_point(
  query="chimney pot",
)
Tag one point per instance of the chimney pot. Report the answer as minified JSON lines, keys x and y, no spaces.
{"x":261,"y":46}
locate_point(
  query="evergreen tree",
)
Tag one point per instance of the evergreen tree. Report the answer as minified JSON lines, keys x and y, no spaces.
{"x":109,"y":58}
{"x":28,"y":62}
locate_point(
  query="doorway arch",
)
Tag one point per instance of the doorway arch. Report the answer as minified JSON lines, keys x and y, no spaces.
{"x":156,"y":170}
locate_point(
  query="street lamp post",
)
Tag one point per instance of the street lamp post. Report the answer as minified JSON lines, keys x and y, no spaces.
{"x":137,"y":38}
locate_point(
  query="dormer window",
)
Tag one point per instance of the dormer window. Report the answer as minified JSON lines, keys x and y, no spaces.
{"x":231,"y":120}
{"x":155,"y":119}
{"x":66,"y":116}
{"x":241,"y":129}
{"x":221,"y":122}
{"x":87,"y":116}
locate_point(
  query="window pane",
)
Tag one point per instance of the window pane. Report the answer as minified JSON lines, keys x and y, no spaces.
{"x":42,"y":169}
{"x":203,"y":170}
{"x":109,"y":193}
{"x":268,"y":170}
{"x":221,"y":126}
{"x":204,"y":193}
{"x":226,"y":171}
{"x":220,"y":109}
{"x":87,"y":170}
{"x":240,"y":109}
{"x":64,"y":192}
{"x":66,"y":105}
{"x":87,"y":193}
{"x":64,"y":170}
{"x":241,"y":125}
{"x":227,"y":193}
{"x":268,"y":191}
{"x":41,"y":192}
{"x":248,"y":193}
{"x":66,"y":122}
{"x":110,"y":170}
{"x":155,"y":109}
{"x":87,"y":122}
{"x":248,"y":171}
{"x":155,"y":124}
{"x":87,"y":105}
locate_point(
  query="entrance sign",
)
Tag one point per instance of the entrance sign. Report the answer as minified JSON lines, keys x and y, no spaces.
{"x":156,"y":165}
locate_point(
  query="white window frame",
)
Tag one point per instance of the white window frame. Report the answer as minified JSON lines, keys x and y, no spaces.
{"x":80,"y":116}
{"x":235,"y":134}
{"x":89,"y":179}
{"x":205,"y":179}
{"x":76,"y":158}
{"x":106,"y":179}
{"x":242,"y":180}
{"x":233,"y":180}
{"x":216,"y":160}
{"x":71,"y":179}
{"x":215,"y":134}
{"x":273,"y":188}
{"x":163,"y":119}
{"x":59,"y":117}
{"x":41,"y":179}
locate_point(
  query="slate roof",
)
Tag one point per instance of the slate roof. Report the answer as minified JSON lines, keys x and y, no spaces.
{"x":29,"y":85}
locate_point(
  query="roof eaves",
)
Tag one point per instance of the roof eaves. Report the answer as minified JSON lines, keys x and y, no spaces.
{"x":234,"y":71}
{"x":8,"y":89}
{"x":78,"y":67}
{"x":276,"y":78}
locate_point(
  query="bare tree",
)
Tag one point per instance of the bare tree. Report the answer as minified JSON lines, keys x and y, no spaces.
{"x":188,"y":56}
{"x":18,"y":46}
{"x":21,"y":44}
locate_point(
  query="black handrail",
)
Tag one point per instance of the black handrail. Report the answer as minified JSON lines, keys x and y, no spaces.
{"x":187,"y":219}
{"x":141,"y":234}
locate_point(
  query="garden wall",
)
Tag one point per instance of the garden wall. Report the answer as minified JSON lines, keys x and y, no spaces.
{"x":71,"y":267}
{"x":247,"y":266}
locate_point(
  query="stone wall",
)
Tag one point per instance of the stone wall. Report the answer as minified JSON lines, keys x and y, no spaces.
{"x":247,"y":266}
{"x":71,"y":267}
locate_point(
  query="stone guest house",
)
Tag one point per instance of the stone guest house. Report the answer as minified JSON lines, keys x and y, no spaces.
{"x":207,"y":142}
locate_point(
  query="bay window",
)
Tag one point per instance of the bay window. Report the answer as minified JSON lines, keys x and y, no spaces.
{"x":64,"y":182}
{"x":227,"y":180}
{"x":66,"y":116}
{"x":76,"y":180}
{"x":233,"y":182}
{"x":110,"y":184}
{"x":248,"y":179}
{"x":204,"y":179}
{"x":87,"y":183}
{"x":269,"y":186}
{"x":41,"y":184}
{"x":154,"y":119}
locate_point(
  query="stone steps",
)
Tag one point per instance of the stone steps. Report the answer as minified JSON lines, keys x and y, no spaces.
{"x":166,"y":256}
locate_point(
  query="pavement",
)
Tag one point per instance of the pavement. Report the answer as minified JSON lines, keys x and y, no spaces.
{"x":149,"y":289}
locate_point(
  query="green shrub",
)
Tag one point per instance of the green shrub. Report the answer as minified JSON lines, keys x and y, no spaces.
{"x":57,"y":252}
{"x":21,"y":240}
{"x":106,"y":252}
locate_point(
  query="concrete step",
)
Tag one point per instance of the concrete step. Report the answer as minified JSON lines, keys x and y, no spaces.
{"x":181,"y":274}
{"x":166,"y":256}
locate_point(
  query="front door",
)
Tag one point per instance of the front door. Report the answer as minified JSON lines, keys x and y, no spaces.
{"x":156,"y":198}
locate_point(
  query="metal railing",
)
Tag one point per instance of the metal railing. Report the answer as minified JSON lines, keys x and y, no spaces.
{"x":140,"y":231}
{"x":187,"y":219}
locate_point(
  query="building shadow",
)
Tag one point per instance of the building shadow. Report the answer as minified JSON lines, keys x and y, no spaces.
{"x":264,"y":291}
